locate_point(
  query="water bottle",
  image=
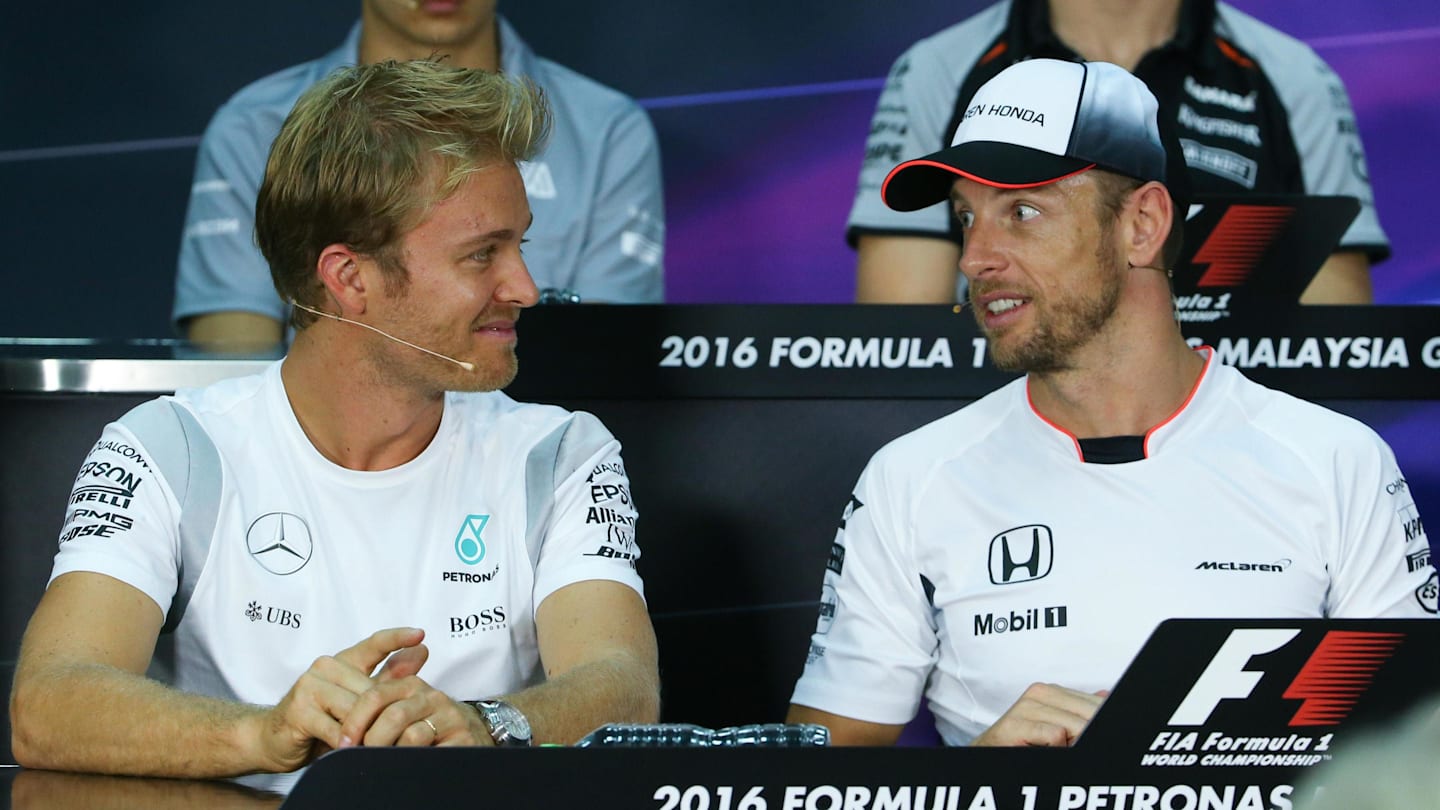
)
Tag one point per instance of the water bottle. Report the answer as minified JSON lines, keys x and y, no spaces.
{"x":687,"y":735}
{"x":773,"y":735}
{"x":642,"y":735}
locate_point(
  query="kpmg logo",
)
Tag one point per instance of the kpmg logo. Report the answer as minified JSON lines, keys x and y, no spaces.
{"x":1021,"y":554}
{"x":468,"y":545}
{"x":280,"y":542}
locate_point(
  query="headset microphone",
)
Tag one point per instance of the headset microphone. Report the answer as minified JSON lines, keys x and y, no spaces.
{"x":383,"y":333}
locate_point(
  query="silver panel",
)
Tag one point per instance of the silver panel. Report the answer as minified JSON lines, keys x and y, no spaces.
{"x":117,"y":376}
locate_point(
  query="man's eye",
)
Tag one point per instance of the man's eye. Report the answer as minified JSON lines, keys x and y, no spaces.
{"x":1024,"y":212}
{"x":967,"y":218}
{"x":484,"y":254}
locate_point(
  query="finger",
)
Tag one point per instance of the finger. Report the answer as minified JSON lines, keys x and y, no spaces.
{"x":404,"y":663}
{"x":401,"y":723}
{"x":1082,"y":704}
{"x":419,"y":734}
{"x":333,"y":670}
{"x":373,"y":702}
{"x":368,"y":654}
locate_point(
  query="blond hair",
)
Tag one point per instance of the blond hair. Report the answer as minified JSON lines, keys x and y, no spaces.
{"x":368,"y":150}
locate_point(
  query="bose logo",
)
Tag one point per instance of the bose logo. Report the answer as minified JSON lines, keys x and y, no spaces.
{"x":1330,"y":683}
{"x":1021,"y":554}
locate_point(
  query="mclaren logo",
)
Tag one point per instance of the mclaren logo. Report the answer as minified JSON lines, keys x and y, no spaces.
{"x":1275,"y":567}
{"x":280,"y":542}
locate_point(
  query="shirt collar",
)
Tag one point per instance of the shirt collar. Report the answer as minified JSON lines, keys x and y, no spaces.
{"x":1030,"y":33}
{"x":516,"y":58}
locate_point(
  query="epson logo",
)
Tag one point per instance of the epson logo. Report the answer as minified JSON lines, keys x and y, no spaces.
{"x":1271,"y":568}
{"x":480,"y":622}
{"x":1032,"y":619}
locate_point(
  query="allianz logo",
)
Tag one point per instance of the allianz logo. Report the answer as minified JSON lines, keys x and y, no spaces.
{"x":1270,"y":568}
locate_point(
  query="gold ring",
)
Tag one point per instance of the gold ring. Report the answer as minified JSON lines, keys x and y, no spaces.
{"x":433,"y":729}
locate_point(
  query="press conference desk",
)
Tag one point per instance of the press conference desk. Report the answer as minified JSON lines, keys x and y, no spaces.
{"x":744,"y":429}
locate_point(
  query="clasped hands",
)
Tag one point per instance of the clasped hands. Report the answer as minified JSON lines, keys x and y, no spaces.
{"x":338,"y":703}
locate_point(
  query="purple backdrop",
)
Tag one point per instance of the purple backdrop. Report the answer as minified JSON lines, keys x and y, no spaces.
{"x":759,"y":183}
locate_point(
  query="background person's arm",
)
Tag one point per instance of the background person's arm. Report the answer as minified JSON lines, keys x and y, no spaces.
{"x":906,"y":270}
{"x":235,"y":331}
{"x":846,"y":730}
{"x":1344,"y":278}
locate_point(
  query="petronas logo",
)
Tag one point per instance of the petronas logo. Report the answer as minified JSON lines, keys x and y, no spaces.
{"x":469,"y":546}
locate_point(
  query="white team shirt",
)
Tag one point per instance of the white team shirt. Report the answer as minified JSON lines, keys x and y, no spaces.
{"x":980,"y":553}
{"x":264,"y":555}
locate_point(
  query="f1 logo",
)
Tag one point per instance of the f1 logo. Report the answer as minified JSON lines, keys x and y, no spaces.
{"x":1330,"y":683}
{"x":1021,"y":554}
{"x":1226,"y":677}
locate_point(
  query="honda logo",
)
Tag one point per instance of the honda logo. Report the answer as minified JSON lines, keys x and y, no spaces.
{"x":1021,"y":554}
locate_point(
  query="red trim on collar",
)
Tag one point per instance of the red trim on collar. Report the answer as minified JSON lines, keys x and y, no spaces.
{"x":1080,"y":454}
{"x":1209,"y":355}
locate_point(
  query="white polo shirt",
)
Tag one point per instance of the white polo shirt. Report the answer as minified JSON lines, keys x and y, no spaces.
{"x":982,"y":552}
{"x":265,"y":555}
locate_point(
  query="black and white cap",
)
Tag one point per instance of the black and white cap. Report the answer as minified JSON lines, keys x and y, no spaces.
{"x":1037,"y":122}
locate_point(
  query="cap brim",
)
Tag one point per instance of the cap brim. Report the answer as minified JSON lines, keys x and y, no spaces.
{"x":922,"y":182}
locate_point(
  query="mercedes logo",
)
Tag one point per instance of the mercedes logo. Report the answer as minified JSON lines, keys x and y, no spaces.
{"x":280,"y":542}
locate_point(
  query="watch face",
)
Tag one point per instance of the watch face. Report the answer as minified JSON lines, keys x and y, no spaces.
{"x":508,"y":724}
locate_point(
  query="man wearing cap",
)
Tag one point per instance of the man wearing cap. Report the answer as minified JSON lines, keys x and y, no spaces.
{"x":1008,"y":560}
{"x":1255,"y":110}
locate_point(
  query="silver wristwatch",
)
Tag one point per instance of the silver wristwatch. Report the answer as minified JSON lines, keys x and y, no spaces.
{"x":506,"y":723}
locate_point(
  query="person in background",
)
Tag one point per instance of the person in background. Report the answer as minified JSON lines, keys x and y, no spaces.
{"x":1007,"y":561}
{"x":367,"y":543}
{"x":1254,"y":110}
{"x":595,"y":190}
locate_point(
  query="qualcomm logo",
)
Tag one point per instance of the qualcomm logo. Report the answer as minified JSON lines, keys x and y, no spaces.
{"x":469,"y":547}
{"x":280,"y":542}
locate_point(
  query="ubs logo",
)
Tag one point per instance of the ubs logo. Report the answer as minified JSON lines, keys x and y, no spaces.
{"x":280,"y":542}
{"x":1021,"y":554}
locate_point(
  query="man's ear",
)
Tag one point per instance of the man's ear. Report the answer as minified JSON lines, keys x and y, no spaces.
{"x":1150,"y":213}
{"x":338,"y":269}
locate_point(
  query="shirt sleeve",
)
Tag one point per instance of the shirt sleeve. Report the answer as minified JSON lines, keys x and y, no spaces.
{"x":910,"y":119}
{"x":122,"y":519}
{"x":590,"y":532}
{"x":622,"y":259}
{"x":875,"y":642}
{"x":1383,"y":566}
{"x":1332,"y":158}
{"x":220,"y":267}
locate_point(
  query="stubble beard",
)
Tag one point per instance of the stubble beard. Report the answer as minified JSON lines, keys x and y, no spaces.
{"x":1069,"y":324}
